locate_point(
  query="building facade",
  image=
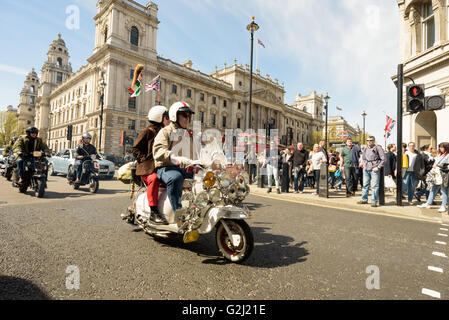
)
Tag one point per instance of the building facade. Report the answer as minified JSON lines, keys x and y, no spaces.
{"x":28,"y":95}
{"x":424,"y":52}
{"x":126,"y":35}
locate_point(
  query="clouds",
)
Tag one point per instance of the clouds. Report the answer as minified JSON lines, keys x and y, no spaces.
{"x":12,"y":69}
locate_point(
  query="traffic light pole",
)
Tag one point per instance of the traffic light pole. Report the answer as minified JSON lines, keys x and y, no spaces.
{"x":399,"y":136}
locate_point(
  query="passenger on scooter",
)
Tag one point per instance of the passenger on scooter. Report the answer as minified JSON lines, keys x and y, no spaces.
{"x":83,"y":153}
{"x":26,"y":145}
{"x":9,"y":147}
{"x":169,"y":163}
{"x":143,"y":152}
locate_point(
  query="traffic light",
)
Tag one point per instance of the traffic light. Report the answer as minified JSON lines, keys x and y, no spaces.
{"x":415,"y":98}
{"x":69,"y":132}
{"x":435,"y":102}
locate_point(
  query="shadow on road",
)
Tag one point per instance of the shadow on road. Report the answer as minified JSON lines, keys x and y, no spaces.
{"x":270,"y":251}
{"x":12,"y":288}
{"x":82,"y":193}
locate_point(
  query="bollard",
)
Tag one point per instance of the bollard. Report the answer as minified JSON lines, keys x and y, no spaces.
{"x":382,"y":186}
{"x":324,"y":184}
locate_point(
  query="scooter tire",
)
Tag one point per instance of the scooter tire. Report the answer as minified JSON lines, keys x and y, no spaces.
{"x":240,"y":254}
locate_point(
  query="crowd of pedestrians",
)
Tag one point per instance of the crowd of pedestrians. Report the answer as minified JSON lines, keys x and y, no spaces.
{"x":425,"y":171}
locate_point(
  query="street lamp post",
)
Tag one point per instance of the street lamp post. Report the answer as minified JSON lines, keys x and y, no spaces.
{"x":364,"y":133}
{"x":102,"y":86}
{"x":326,"y":99}
{"x":252,"y":27}
{"x":49,"y":131}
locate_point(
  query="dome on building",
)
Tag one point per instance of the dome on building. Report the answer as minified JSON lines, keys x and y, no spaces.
{"x":58,"y":41}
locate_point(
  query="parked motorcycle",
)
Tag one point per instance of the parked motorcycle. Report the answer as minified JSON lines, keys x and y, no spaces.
{"x":89,"y":175}
{"x":212,"y":199}
{"x":10,"y":164}
{"x":34,"y":176}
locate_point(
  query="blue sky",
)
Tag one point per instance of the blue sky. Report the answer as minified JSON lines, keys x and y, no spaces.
{"x":348,"y":48}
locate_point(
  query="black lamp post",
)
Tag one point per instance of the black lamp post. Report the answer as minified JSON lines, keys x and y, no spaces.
{"x":364,"y":133}
{"x":49,"y":131}
{"x":252,"y":27}
{"x":326,"y":99}
{"x":102,"y":86}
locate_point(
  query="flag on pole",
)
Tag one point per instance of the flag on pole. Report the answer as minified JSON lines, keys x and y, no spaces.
{"x":339,"y":109}
{"x":260,"y":42}
{"x":137,"y":80}
{"x":389,"y":126}
{"x":155,"y":85}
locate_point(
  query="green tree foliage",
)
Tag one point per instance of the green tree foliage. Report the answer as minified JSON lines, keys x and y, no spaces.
{"x":10,"y":128}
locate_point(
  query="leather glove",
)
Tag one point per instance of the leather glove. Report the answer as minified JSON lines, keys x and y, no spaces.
{"x":180,"y":160}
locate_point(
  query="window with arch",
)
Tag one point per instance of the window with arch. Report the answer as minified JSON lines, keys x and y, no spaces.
{"x":134,"y":36}
{"x":32,"y":89}
{"x":59,"y":62}
{"x":105,"y":34}
{"x":428,"y":25}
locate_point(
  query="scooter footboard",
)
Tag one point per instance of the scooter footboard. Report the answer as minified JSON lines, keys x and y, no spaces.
{"x":216,"y":214}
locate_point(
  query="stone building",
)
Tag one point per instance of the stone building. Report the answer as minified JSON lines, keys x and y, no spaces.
{"x":424,"y":51}
{"x":28,"y":95}
{"x":126,"y":35}
{"x":338,"y":124}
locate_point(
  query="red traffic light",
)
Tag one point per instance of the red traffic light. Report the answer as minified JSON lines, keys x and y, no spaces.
{"x":415,"y":91}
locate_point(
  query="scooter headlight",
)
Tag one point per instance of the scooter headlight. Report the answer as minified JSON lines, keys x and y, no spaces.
{"x":233,"y":191}
{"x":202,"y":200}
{"x":214,"y":195}
{"x":210,"y":179}
{"x":225,"y":180}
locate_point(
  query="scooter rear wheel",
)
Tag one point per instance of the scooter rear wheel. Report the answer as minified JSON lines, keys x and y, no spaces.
{"x":224,"y":243}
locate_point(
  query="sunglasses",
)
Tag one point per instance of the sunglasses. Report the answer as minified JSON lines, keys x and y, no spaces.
{"x":185,"y":114}
{"x":370,"y":140}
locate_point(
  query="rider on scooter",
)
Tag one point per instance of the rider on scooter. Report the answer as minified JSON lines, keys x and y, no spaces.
{"x":26,"y":145}
{"x":143,"y":152}
{"x":83,"y":153}
{"x":170,"y":166}
{"x":9,"y":147}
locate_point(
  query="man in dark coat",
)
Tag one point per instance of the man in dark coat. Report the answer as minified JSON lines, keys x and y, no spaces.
{"x":390,"y":165}
{"x":143,"y":152}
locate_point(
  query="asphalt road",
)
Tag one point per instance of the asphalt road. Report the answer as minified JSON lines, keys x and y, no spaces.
{"x":301,"y":252}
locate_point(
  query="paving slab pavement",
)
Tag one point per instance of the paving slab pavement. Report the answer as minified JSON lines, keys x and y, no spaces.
{"x":337,"y":199}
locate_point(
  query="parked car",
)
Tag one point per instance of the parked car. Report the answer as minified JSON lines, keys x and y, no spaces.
{"x":117,"y":160}
{"x":64,"y":160}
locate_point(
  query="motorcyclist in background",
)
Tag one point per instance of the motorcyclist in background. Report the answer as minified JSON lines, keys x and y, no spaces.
{"x":143,"y":152}
{"x":26,"y":145}
{"x":83,"y":152}
{"x":9,"y":147}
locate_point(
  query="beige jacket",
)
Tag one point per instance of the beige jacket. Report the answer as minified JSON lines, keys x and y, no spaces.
{"x":163,"y":145}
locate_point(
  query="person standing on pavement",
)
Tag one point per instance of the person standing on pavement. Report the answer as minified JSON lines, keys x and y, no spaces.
{"x":373,"y":159}
{"x":287,"y":164}
{"x":271,"y":162}
{"x":428,"y":164}
{"x":300,"y":157}
{"x":414,"y":173}
{"x":390,"y":161}
{"x":251,"y":159}
{"x":317,"y":157}
{"x":323,"y":149}
{"x":349,"y":168}
{"x":441,"y":166}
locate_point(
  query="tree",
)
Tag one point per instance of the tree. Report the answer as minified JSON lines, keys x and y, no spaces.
{"x":11,"y":128}
{"x":315,"y":137}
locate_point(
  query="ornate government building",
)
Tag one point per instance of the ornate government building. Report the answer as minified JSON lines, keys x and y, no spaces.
{"x":126,"y":35}
{"x":424,"y":51}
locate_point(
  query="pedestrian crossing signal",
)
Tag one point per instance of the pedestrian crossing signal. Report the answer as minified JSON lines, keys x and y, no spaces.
{"x":415,"y":98}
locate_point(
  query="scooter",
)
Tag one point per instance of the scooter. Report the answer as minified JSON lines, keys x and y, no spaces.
{"x":211,"y":200}
{"x":89,"y":175}
{"x":35,"y":168}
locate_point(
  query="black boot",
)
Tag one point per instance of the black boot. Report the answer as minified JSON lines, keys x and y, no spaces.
{"x":157,"y":217}
{"x":269,"y":190}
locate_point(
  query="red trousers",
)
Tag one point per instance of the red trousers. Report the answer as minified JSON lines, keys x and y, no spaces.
{"x":152,"y":183}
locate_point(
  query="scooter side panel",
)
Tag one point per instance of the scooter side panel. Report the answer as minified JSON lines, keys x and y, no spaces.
{"x":216,"y":214}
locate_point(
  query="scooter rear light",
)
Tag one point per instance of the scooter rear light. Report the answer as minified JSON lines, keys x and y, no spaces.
{"x":96,"y":165}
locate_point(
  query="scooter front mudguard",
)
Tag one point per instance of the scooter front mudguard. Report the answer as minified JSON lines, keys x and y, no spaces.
{"x":215,"y":214}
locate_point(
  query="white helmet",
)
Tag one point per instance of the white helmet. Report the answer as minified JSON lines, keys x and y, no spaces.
{"x":179,"y":106}
{"x":156,"y":114}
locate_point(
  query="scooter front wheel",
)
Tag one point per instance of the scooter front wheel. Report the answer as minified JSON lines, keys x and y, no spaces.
{"x":94,"y":184}
{"x":241,"y":252}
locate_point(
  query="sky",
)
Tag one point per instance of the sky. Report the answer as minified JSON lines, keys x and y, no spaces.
{"x":348,"y":48}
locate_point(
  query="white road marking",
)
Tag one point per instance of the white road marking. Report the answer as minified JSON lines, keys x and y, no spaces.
{"x":431,"y":293}
{"x":446,"y":225}
{"x":435,"y":269}
{"x":442,"y":235}
{"x":440,"y":242}
{"x":444,"y":229}
{"x":439,"y":254}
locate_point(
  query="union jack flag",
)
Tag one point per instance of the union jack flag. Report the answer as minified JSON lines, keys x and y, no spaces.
{"x":390,"y":125}
{"x":260,"y":42}
{"x":156,"y":85}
